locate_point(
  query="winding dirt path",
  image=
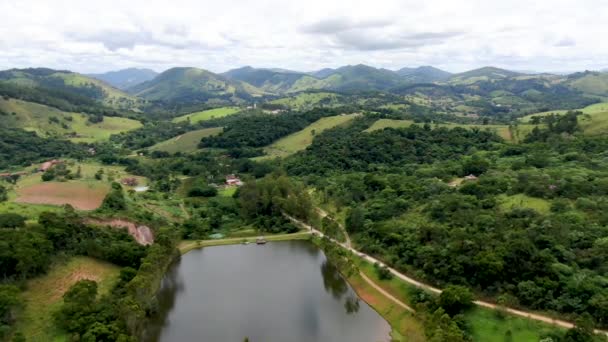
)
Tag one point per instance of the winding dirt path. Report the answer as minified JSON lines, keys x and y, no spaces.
{"x":386,"y":294}
{"x":324,"y":214}
{"x":368,"y":258}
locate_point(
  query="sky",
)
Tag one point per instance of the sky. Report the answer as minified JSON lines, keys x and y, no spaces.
{"x":98,"y":36}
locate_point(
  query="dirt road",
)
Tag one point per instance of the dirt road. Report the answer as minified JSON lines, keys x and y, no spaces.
{"x":521,"y":313}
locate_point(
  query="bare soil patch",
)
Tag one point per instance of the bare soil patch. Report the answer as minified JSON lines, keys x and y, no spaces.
{"x":142,"y":234}
{"x":80,"y":195}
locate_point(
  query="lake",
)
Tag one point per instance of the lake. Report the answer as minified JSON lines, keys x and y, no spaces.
{"x":282,"y":291}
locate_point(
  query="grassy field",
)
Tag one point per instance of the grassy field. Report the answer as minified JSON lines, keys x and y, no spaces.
{"x":307,"y":100}
{"x":43,"y":295}
{"x":51,"y":122}
{"x":522,"y":201}
{"x":492,"y":326}
{"x":227,"y":191}
{"x":594,"y":120}
{"x":514,"y":134}
{"x":208,"y":114}
{"x":385,"y":123}
{"x":78,"y":194}
{"x":187,"y":142}
{"x":300,"y":140}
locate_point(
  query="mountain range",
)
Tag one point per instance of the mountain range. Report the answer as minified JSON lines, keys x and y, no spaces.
{"x":125,"y":78}
{"x":190,"y":87}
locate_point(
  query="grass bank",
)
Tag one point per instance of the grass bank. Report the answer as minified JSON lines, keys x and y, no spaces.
{"x":188,"y":245}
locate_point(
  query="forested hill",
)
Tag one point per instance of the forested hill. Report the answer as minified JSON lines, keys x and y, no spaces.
{"x":70,"y":82}
{"x":126,"y":78}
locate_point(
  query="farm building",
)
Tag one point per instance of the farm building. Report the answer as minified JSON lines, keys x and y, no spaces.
{"x":470,"y":177}
{"x":49,"y":164}
{"x":232,"y":180}
{"x":130,"y":181}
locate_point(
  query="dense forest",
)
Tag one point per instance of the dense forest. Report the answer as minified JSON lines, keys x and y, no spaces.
{"x":393,"y":184}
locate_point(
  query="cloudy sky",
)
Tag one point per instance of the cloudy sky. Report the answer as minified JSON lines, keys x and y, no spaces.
{"x":96,"y":36}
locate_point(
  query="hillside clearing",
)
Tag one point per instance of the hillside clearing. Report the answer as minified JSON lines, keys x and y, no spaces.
{"x":510,"y":133}
{"x":51,"y":122}
{"x":80,"y":195}
{"x":508,"y":203}
{"x":298,"y":141}
{"x":594,"y":120}
{"x":207,"y":114}
{"x":43,"y":295}
{"x":187,"y":142}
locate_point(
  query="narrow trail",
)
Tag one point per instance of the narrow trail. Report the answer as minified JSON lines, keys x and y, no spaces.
{"x":488,"y":305}
{"x":183,"y":207}
{"x":324,"y":214}
{"x":386,"y":294}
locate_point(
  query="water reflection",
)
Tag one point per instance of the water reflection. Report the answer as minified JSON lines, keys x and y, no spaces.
{"x":284,"y":292}
{"x":332,"y":280}
{"x":351,"y":304}
{"x":171,"y":285}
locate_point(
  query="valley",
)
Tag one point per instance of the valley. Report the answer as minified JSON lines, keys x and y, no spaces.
{"x":488,"y":184}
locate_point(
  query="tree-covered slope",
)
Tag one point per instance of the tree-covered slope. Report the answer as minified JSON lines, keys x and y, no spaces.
{"x":126,"y":78}
{"x":194,"y":86}
{"x":71,"y":82}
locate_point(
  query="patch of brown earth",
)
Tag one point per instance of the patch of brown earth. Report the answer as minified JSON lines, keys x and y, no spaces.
{"x":142,"y":234}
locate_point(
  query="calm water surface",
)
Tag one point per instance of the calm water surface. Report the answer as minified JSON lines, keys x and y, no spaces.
{"x":281,"y":291}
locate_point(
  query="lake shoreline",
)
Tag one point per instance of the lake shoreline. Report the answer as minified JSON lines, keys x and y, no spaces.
{"x":390,"y":312}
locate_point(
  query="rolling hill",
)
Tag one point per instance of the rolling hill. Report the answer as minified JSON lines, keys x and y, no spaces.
{"x":49,"y":122}
{"x":270,"y":80}
{"x":195,"y":86}
{"x":71,"y":82}
{"x":589,"y":82}
{"x":482,"y":74}
{"x":423,"y":74}
{"x":125,"y":78}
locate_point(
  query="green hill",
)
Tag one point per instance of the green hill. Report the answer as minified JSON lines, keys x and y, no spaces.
{"x":123,"y":79}
{"x":423,"y":74}
{"x":71,"y":82}
{"x":187,"y":142}
{"x":594,"y":120}
{"x":191,"y":86}
{"x":270,"y":80}
{"x":49,"y":122}
{"x":298,"y":141}
{"x":482,"y":74}
{"x":592,"y":83}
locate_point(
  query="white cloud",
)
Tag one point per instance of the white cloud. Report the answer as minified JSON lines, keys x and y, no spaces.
{"x":456,"y":35}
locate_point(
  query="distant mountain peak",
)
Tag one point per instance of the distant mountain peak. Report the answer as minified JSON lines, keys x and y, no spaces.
{"x":126,"y":78}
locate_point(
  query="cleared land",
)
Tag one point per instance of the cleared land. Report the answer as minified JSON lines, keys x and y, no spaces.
{"x":80,"y":195}
{"x":523,"y":201}
{"x":308,"y":100}
{"x":208,"y":114}
{"x":43,"y":295}
{"x":300,"y":140}
{"x":513,"y":134}
{"x":187,"y":142}
{"x":51,"y":122}
{"x":594,"y":120}
{"x":31,"y":196}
